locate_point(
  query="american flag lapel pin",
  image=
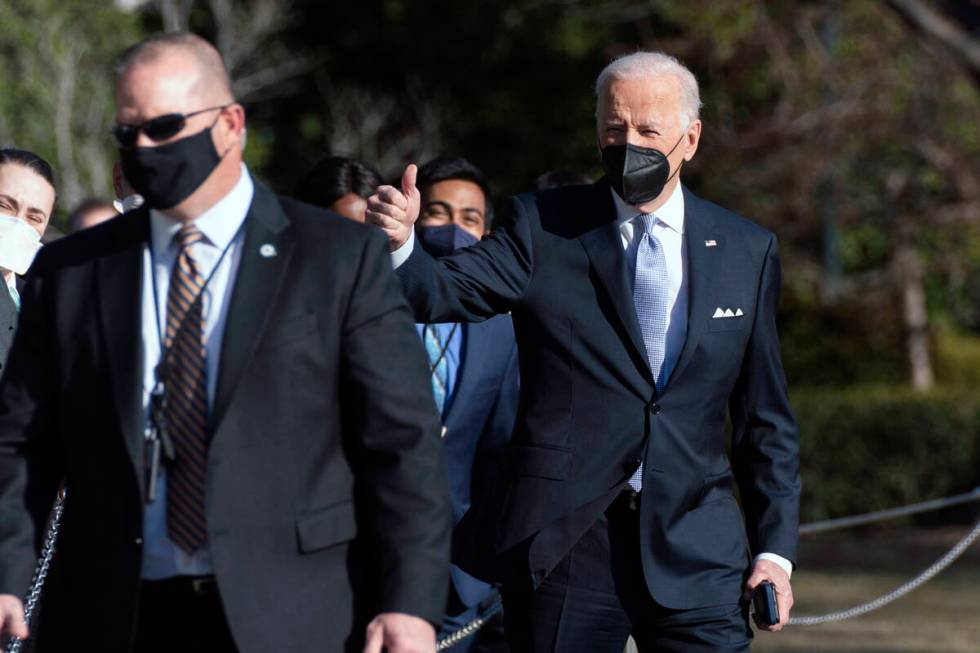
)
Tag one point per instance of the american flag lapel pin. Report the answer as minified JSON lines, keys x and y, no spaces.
{"x":711,"y":243}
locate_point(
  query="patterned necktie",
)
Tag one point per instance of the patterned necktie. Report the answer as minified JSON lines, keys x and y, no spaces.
{"x":186,"y":409}
{"x":438,"y":364}
{"x":650,"y":297}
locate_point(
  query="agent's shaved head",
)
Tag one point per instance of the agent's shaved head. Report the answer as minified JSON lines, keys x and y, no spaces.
{"x":212,"y":81}
{"x":180,"y":79}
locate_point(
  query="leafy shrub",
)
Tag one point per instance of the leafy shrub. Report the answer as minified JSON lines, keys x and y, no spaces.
{"x":869,"y":448}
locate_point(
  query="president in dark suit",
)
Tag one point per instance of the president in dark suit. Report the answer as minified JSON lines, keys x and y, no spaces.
{"x":644,"y":316}
{"x":231,"y":386}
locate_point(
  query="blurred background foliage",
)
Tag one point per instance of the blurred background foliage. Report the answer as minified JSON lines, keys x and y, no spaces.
{"x":848,"y":128}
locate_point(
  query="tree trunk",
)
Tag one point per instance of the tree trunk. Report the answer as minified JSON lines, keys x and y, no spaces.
{"x":910,"y":273}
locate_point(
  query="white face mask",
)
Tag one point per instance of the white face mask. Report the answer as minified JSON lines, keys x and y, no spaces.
{"x":128,"y":203}
{"x":18,"y":244}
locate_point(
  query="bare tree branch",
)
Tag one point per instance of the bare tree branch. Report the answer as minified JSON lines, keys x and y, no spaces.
{"x":257,"y":85}
{"x":926,"y":19}
{"x":175,"y":14}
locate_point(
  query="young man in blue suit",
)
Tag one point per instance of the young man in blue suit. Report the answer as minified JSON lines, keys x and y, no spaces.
{"x":644,"y":316}
{"x":474,"y":373}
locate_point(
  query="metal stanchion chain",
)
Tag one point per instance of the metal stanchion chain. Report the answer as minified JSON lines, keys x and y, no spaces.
{"x":41,"y":571}
{"x":469,"y":629}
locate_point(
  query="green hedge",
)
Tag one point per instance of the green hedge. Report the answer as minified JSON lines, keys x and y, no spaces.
{"x":868,"y":448}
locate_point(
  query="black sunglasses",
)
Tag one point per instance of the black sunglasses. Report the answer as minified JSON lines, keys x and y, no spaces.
{"x":158,"y":129}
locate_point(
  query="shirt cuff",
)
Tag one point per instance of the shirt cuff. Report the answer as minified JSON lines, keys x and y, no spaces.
{"x":778,"y":559}
{"x":401,"y":254}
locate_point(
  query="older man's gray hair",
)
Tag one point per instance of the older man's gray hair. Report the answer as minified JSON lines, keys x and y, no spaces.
{"x":647,"y":65}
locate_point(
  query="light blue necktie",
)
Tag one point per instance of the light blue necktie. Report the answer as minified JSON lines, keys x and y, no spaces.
{"x":650,"y":297}
{"x":438,"y":364}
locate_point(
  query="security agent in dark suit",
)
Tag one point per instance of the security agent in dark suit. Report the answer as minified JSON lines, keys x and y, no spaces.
{"x":473,"y":366}
{"x":643,"y":316}
{"x":264,"y":471}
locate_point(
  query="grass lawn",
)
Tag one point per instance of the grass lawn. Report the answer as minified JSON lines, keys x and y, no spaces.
{"x":840,"y":570}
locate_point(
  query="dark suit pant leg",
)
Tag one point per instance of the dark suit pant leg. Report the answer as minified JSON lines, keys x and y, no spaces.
{"x":489,"y":638}
{"x":174,"y":615}
{"x":597,"y":596}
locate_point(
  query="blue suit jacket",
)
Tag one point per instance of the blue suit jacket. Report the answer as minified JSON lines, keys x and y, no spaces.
{"x":589,"y":407}
{"x":479,"y":419}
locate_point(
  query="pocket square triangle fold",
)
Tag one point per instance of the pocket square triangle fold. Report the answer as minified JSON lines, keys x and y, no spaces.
{"x":729,"y":313}
{"x":739,"y":313}
{"x":718,"y":313}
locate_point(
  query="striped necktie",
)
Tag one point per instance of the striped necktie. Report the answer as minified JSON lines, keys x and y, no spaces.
{"x":186,"y":408}
{"x":436,"y":348}
{"x":650,"y":297}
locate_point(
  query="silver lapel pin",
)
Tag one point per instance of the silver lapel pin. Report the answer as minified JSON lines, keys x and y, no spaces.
{"x":268,"y":250}
{"x":710,"y":243}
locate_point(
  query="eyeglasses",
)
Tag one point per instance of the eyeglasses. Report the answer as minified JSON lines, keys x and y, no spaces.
{"x":158,"y":129}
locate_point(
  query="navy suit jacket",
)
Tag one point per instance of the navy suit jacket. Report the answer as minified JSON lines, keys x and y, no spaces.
{"x":479,"y":420}
{"x":589,"y":408}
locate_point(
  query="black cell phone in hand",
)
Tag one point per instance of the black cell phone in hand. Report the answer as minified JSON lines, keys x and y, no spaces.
{"x":766,"y":609}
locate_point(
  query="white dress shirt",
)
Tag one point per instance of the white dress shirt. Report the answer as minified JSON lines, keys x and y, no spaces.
{"x":669,"y":230}
{"x":221,"y":227}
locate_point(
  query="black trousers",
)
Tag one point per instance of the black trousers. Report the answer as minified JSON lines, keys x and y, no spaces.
{"x":597,"y":597}
{"x":182,"y":614}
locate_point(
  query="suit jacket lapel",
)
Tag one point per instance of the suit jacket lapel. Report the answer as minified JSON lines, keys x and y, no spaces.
{"x":119,"y":279}
{"x":702,"y":269}
{"x":604,"y":246}
{"x":8,"y":309}
{"x":257,"y":285}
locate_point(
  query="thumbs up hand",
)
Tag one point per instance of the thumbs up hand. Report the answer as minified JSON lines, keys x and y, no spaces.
{"x":396,"y":210}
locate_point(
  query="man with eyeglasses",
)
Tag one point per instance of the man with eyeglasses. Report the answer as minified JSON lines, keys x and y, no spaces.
{"x":265,"y":472}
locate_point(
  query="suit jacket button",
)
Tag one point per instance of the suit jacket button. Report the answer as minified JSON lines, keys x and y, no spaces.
{"x":632,"y":465}
{"x":138,"y":541}
{"x":655,"y":408}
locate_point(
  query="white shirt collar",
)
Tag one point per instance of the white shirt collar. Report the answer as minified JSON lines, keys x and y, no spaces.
{"x":670,"y":214}
{"x":219,"y":224}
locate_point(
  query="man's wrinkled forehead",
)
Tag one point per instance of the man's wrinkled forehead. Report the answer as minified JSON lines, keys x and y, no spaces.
{"x":655,"y":99}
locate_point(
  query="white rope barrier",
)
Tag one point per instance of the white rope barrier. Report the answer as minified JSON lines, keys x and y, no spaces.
{"x":891,"y":513}
{"x":898,"y":592}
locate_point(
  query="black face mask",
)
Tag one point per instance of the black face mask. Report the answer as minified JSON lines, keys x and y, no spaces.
{"x":168,"y":174}
{"x":445,"y":239}
{"x":637,"y":174}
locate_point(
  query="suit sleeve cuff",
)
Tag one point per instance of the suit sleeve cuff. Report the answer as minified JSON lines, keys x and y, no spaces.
{"x":778,"y":559}
{"x":401,"y":254}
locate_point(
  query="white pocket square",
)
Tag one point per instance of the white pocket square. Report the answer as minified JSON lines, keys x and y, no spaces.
{"x":727,"y":312}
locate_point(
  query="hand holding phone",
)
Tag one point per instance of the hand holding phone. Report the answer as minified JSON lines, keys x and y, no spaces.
{"x":766,"y":609}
